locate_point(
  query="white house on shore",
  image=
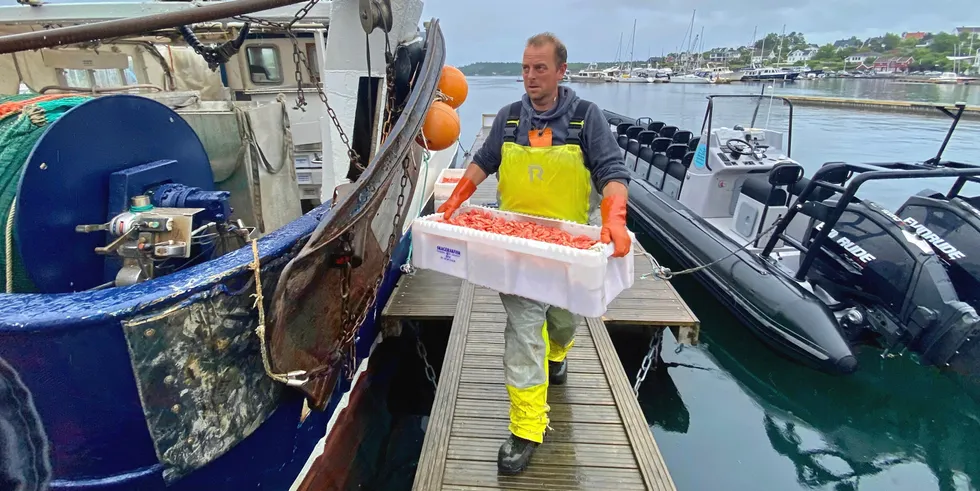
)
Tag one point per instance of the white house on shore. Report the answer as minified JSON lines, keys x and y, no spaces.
{"x":859,"y":58}
{"x":801,"y":55}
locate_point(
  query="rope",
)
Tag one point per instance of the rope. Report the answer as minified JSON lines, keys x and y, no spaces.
{"x":23,"y":119}
{"x":666,"y":274}
{"x":291,"y":378}
{"x":8,"y":248}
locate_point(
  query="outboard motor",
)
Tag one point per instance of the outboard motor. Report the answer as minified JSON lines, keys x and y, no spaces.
{"x":891,"y":282}
{"x":950,"y":227}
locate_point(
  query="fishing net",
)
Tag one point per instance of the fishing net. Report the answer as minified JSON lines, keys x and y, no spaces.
{"x":23,"y":119}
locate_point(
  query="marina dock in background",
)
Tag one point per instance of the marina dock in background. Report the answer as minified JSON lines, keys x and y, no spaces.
{"x":600,"y":438}
{"x":904,"y":107}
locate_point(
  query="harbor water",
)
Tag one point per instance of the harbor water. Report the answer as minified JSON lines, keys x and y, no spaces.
{"x":729,"y":414}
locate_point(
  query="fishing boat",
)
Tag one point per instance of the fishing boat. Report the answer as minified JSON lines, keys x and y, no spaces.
{"x":590,"y":74}
{"x":813,"y":270}
{"x":178,"y":315}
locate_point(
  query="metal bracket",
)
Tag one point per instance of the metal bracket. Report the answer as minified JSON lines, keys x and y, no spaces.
{"x":375,"y":14}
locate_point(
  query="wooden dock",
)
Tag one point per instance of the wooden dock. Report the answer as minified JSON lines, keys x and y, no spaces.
{"x":905,"y":107}
{"x":599,"y":437}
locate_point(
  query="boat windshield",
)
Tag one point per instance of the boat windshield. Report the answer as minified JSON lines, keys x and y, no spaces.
{"x":760,"y":112}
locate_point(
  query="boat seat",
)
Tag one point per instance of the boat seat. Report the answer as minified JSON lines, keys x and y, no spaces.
{"x":656,"y":126}
{"x":693,"y":144}
{"x":643,"y":161}
{"x":687,"y":159}
{"x":668,"y":131}
{"x":674,"y":179}
{"x":632,"y":150}
{"x":622,"y":140}
{"x":676,"y":151}
{"x":622,"y":127}
{"x":683,"y":137}
{"x":646,"y":137}
{"x":761,"y":201}
{"x":660,"y":145}
{"x":658,"y":170}
{"x":633,"y":131}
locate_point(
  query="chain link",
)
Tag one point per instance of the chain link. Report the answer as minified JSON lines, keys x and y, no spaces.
{"x":652,"y":358}
{"x":300,"y":62}
{"x":430,"y":373}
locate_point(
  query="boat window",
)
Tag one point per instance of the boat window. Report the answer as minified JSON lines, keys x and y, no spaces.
{"x":887,"y":265}
{"x":264,"y":66}
{"x":313,"y":60}
{"x":101,"y":77}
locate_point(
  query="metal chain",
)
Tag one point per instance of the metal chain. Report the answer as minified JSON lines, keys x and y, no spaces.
{"x":300,"y":61}
{"x":430,"y":373}
{"x":652,"y":358}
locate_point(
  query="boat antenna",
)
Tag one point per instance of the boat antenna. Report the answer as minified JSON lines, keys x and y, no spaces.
{"x":961,"y":106}
{"x":758,"y":103}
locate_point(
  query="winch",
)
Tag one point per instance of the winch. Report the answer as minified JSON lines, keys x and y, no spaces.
{"x":116,"y":191}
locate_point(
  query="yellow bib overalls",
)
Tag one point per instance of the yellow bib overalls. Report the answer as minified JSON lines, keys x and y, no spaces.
{"x":548,"y":181}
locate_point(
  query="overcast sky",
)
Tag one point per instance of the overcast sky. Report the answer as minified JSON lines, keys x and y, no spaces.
{"x":495,"y":30}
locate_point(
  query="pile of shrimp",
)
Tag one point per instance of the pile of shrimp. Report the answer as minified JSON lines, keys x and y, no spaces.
{"x":449,"y":180}
{"x":487,"y":222}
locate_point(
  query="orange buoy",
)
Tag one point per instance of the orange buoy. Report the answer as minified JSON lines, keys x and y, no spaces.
{"x":441,"y":127}
{"x":452,"y":83}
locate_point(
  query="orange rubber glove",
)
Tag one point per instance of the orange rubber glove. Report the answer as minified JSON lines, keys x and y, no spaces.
{"x":462,"y":192}
{"x":614,"y":224}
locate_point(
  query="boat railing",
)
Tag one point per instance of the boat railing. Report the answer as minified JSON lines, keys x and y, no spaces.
{"x":709,"y":112}
{"x":832,"y":176}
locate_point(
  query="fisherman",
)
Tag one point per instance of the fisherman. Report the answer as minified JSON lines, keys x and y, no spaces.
{"x":552,"y":151}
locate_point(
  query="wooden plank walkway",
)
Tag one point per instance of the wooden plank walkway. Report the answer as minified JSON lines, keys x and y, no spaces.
{"x":599,"y":438}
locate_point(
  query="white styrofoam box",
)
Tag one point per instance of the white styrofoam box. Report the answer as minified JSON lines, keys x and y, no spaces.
{"x":303,"y":160}
{"x":443,"y":191}
{"x":309,"y":177}
{"x":309,"y":192}
{"x":580,"y":281}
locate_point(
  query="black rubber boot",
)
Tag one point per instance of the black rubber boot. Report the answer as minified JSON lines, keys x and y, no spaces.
{"x":514,"y":455}
{"x":557,"y":372}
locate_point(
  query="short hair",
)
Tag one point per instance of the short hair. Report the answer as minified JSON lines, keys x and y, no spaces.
{"x":538,"y":40}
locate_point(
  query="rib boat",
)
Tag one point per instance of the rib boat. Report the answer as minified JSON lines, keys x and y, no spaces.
{"x":812,"y":269}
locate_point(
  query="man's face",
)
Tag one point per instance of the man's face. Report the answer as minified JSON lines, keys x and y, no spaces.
{"x":542,"y":73}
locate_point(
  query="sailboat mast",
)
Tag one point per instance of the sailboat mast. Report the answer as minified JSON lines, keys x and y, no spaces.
{"x":632,"y":45}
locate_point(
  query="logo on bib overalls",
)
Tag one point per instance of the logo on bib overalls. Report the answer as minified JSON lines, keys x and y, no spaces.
{"x":535,"y":169}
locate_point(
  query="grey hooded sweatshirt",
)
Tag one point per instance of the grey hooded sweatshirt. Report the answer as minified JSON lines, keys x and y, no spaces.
{"x":603,"y":157}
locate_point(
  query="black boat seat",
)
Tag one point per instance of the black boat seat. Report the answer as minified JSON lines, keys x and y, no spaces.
{"x":660,"y":145}
{"x":643,"y":162}
{"x":759,"y":205}
{"x":622,"y":127}
{"x":676,"y":151}
{"x":632,"y":150}
{"x":646,"y":137}
{"x":656,"y":126}
{"x":633,"y":131}
{"x":688,"y":158}
{"x":819,"y":193}
{"x":759,"y":189}
{"x":683,"y":137}
{"x":622,"y":140}
{"x":674,"y":180}
{"x":693,"y":144}
{"x":668,"y":131}
{"x":658,"y":170}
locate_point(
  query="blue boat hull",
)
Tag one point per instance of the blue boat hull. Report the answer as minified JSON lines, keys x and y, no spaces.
{"x":71,"y":353}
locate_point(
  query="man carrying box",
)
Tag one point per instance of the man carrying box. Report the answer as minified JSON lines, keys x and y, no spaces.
{"x":549,"y":149}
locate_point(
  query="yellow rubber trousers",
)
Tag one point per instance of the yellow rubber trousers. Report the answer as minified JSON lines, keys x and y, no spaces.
{"x":535,"y":333}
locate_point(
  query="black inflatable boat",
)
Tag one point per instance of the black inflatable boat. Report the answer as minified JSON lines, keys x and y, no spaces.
{"x":812,"y":269}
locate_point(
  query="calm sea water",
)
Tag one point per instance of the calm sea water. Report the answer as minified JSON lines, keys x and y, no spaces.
{"x":729,"y":414}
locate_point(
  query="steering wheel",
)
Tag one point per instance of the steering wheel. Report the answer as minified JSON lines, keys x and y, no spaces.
{"x":739,"y":146}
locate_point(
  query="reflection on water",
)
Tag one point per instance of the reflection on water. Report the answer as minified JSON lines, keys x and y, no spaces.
{"x":731,"y":415}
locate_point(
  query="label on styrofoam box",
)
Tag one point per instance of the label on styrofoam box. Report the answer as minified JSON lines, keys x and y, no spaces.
{"x":581,"y":281}
{"x":303,"y":161}
{"x":309,"y":192}
{"x":443,"y":190}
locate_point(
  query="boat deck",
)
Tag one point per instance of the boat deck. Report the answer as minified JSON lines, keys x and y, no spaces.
{"x":600,"y":438}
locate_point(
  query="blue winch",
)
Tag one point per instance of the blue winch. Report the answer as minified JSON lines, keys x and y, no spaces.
{"x":127,"y":166}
